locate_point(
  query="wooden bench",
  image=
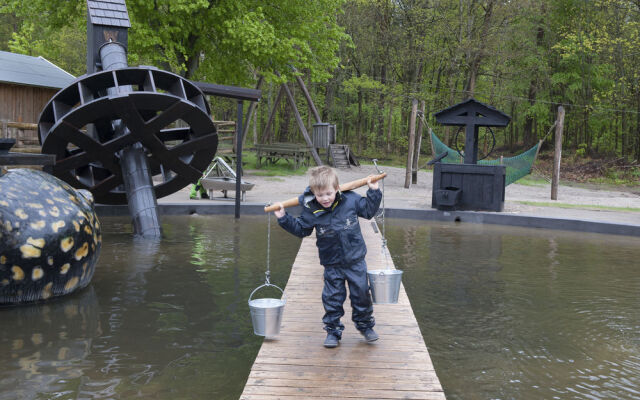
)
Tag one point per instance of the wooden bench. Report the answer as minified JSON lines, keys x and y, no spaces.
{"x":299,"y":154}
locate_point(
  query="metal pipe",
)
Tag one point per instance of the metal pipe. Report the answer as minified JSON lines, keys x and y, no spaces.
{"x":136,"y":174}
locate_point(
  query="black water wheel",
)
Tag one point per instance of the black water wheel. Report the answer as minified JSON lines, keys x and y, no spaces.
{"x":87,"y":124}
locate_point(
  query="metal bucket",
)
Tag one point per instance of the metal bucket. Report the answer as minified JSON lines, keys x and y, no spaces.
{"x":266,"y":313}
{"x":385,"y":285}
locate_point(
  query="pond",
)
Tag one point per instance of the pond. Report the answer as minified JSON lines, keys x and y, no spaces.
{"x":513,"y":313}
{"x":162,"y":320}
{"x":507,"y":313}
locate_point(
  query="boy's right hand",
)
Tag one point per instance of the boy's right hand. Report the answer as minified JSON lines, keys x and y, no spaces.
{"x":280,"y":213}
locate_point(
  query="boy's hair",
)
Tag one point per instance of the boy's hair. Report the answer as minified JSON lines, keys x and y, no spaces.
{"x":323,"y":177}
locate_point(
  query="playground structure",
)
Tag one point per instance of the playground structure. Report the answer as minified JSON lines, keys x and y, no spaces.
{"x":323,"y":134}
{"x":221,"y":177}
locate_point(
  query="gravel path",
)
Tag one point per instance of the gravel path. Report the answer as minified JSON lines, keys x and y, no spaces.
{"x":269,"y":189}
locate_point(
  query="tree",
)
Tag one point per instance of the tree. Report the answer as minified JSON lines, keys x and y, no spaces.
{"x":222,"y":41}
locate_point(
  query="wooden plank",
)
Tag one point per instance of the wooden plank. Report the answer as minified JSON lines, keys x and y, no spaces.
{"x":295,"y":365}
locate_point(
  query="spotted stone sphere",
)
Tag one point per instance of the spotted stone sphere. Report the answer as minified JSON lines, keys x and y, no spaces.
{"x":49,"y":237}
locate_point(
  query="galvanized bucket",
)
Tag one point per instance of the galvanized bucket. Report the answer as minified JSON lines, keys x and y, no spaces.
{"x":385,"y":285}
{"x":266,"y":313}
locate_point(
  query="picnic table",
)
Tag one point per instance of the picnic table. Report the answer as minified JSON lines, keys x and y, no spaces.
{"x":298,"y":154}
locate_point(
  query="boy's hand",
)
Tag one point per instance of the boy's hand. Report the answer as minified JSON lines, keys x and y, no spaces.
{"x":280,"y":213}
{"x":372,"y":185}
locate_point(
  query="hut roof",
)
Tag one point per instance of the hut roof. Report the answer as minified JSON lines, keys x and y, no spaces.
{"x":20,"y":69}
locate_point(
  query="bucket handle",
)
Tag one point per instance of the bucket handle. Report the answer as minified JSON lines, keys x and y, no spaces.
{"x":284,"y":296}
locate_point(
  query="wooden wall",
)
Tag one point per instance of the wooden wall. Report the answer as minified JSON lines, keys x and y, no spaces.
{"x":19,"y":103}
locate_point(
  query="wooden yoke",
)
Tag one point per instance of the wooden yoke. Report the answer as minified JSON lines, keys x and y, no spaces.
{"x":343,"y":188}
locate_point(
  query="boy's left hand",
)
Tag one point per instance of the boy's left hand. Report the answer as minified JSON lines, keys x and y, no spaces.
{"x":372,"y":185}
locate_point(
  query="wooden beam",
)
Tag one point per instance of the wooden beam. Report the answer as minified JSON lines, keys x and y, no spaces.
{"x":308,"y":97}
{"x":292,"y":102}
{"x":412,"y":134}
{"x":272,"y":115}
{"x":557,"y":155}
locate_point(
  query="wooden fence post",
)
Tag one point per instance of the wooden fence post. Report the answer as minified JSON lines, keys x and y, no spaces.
{"x":418,"y":143}
{"x":557,"y":154}
{"x":412,"y":136}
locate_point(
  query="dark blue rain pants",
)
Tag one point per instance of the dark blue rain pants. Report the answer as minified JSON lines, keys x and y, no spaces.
{"x":335,"y":293}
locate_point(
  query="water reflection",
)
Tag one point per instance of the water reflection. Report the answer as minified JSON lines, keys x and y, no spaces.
{"x":173,"y":320}
{"x":46,"y":347}
{"x":512,"y":313}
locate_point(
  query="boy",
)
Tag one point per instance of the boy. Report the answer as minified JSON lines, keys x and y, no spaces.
{"x":334,"y":215}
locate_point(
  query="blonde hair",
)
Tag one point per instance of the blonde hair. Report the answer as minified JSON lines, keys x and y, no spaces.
{"x":322,"y":177}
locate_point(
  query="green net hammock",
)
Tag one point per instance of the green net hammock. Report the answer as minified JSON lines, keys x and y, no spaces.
{"x":517,"y":167}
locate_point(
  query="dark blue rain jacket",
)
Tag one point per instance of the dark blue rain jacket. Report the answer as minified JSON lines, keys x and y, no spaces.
{"x":338,"y":234}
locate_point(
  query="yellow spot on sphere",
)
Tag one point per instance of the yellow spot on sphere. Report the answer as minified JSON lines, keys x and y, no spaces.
{"x":50,"y":201}
{"x":82,"y":251}
{"x":54,"y":211}
{"x":3,"y":259}
{"x":4,"y":203}
{"x":36,"y":242}
{"x":73,"y":282}
{"x":7,"y":226}
{"x":76,"y":225}
{"x":30,"y":251}
{"x":4,"y":282}
{"x":38,"y":225}
{"x":65,"y":268}
{"x":18,"y":273}
{"x":87,"y":229}
{"x":57,"y":225}
{"x":37,"y":273}
{"x":50,"y":260}
{"x":42,"y":213}
{"x":34,"y":205}
{"x":46,"y":291}
{"x":66,"y":244}
{"x":20,"y":213}
{"x":17,"y":344}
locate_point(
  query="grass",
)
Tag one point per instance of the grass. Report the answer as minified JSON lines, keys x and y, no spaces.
{"x":281,"y":168}
{"x":532,"y":181}
{"x":579,"y":206}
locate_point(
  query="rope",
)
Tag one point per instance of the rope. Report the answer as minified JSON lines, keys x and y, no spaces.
{"x":268,"y":273}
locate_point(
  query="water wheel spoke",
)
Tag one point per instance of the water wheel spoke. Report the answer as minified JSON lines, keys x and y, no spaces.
{"x":168,"y":116}
{"x":201,"y":142}
{"x":106,"y":185}
{"x":92,"y":150}
{"x":170,"y":134}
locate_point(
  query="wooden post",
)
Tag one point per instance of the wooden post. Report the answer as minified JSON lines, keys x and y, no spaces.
{"x":272,"y":115}
{"x":292,"y":103}
{"x":412,"y":138}
{"x":252,"y":109}
{"x":416,"y":148}
{"x":557,"y":154}
{"x":312,"y":106}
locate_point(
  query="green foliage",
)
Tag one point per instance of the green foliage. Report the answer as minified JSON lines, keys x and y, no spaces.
{"x":222,"y":41}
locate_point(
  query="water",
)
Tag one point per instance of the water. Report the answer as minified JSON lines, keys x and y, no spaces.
{"x":165,"y":320}
{"x":507,"y":313}
{"x":511,"y":313}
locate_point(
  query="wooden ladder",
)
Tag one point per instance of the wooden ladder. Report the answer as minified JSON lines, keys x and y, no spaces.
{"x":340,"y":155}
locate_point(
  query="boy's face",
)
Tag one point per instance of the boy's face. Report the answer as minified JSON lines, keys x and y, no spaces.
{"x":325,"y":196}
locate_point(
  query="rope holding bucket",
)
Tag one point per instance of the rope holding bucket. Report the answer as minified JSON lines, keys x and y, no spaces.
{"x":384,"y":283}
{"x":266,"y":313}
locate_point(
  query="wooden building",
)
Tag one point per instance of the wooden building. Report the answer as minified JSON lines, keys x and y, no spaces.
{"x":26,"y":85}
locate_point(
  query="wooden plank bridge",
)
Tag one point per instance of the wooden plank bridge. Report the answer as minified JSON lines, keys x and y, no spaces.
{"x":295,"y":365}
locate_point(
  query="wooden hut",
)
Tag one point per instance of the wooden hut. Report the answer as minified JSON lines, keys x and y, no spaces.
{"x":26,"y":85}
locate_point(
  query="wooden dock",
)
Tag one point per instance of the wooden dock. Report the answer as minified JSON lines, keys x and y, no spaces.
{"x":295,"y":365}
